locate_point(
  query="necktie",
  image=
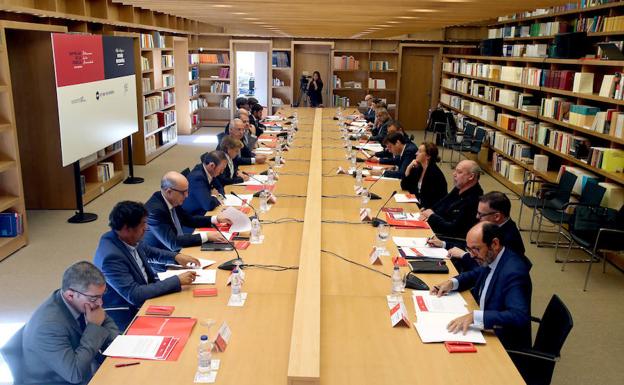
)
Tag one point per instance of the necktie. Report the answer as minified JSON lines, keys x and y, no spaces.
{"x":176,"y":222}
{"x":137,"y":258}
{"x":482,"y":287}
{"x":81,"y":322}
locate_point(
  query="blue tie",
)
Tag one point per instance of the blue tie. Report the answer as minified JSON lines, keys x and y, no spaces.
{"x":487,"y":270}
{"x":81,"y":322}
{"x":176,"y":222}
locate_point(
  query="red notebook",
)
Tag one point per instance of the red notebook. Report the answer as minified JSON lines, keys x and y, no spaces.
{"x":405,"y":223}
{"x":159,"y":310}
{"x":178,"y":327}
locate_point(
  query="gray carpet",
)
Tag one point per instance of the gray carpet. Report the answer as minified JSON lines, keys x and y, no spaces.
{"x":590,"y":356}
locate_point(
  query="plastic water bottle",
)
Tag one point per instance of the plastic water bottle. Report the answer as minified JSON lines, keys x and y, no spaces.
{"x":204,"y":357}
{"x":278,"y":157}
{"x":270,"y":176}
{"x":256,"y":232}
{"x":358,"y":177}
{"x":353,"y":161}
{"x":236,"y":283}
{"x":397,"y":281}
{"x":264,"y":201}
{"x":365,"y":197}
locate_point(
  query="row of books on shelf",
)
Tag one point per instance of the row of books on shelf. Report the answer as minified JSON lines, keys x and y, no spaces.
{"x":542,"y":133}
{"x":145,"y":64}
{"x":153,"y":142}
{"x":280,"y":59}
{"x":511,"y":98}
{"x":338,"y":83}
{"x":193,"y":90}
{"x":167,"y":61}
{"x":99,"y":154}
{"x":214,"y":58}
{"x":193,"y":74}
{"x":105,"y":171}
{"x":147,"y":84}
{"x":168,"y":80}
{"x":158,"y":120}
{"x":275,"y":101}
{"x":11,"y":224}
{"x":379,"y":65}
{"x":525,"y":50}
{"x":219,"y":87}
{"x":376,"y":83}
{"x":193,"y":58}
{"x":153,"y":40}
{"x":341,"y":101}
{"x":196,"y":104}
{"x":158,"y":101}
{"x":556,"y":9}
{"x":611,"y":85}
{"x":224,"y":73}
{"x":534,"y":30}
{"x":225,"y":102}
{"x":509,"y":170}
{"x":346,"y":63}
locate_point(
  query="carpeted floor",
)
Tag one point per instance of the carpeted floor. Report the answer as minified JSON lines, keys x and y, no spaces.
{"x":590,"y":355}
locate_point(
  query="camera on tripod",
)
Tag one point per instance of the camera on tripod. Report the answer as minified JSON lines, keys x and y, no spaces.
{"x":303,"y":90}
{"x":305,"y":79}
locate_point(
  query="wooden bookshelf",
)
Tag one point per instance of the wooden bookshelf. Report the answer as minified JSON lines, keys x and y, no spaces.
{"x":285,"y":74}
{"x":11,"y":187}
{"x":370,"y":54}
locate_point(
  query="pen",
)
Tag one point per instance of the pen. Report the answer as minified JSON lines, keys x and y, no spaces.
{"x":127,"y":364}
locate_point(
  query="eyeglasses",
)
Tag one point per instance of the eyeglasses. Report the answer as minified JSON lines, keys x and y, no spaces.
{"x":91,"y":298}
{"x":481,"y":215}
{"x":180,"y":191}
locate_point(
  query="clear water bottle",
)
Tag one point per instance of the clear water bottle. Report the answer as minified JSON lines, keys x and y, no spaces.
{"x":353,"y":159}
{"x":236,"y":283}
{"x":204,"y":357}
{"x":358,"y":177}
{"x":256,"y":232}
{"x":278,"y":157}
{"x":270,"y":176}
{"x":365,"y":197}
{"x":397,"y":281}
{"x":290,"y":137}
{"x":264,"y":201}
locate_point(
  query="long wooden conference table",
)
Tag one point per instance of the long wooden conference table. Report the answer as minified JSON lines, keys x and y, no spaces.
{"x":327,"y":322}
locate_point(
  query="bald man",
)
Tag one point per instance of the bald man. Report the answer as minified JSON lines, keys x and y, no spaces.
{"x":369,"y":115}
{"x":501,"y":285}
{"x":167,"y":220}
{"x":246,"y":157}
{"x":456,"y":213}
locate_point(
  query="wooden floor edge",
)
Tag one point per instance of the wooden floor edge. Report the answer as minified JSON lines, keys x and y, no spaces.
{"x":305,"y":342}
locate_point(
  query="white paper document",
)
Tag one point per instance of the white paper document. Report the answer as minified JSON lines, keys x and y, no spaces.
{"x":254,"y":180}
{"x":431,"y":327}
{"x":231,"y":200}
{"x":427,"y":302}
{"x":205,"y":262}
{"x":431,"y":252}
{"x":404,"y":198}
{"x":406,"y":216}
{"x":371,"y":146}
{"x":147,"y":347}
{"x":264,"y":151}
{"x":240,"y":222}
{"x":204,"y":277}
{"x":410,"y":242}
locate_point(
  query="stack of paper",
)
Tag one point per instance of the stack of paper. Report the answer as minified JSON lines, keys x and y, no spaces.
{"x":428,"y":252}
{"x":240,"y":221}
{"x":256,"y":180}
{"x":204,"y":277}
{"x":231,"y":200}
{"x":410,"y":242}
{"x":405,"y":198}
{"x":146,"y":347}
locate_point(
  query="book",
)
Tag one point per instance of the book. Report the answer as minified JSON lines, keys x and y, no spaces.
{"x":583,"y":82}
{"x":607,"y":88}
{"x":11,"y":224}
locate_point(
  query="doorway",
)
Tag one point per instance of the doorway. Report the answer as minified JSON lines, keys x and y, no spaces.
{"x":418,"y":77}
{"x":251,"y":74}
{"x":310,"y":57}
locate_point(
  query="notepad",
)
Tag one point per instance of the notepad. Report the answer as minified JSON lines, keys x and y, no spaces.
{"x":424,"y":301}
{"x":204,"y":277}
{"x":431,"y":327}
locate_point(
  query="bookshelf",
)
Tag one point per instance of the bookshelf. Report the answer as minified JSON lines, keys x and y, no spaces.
{"x":11,"y":188}
{"x":215,"y":97}
{"x":281,"y":74}
{"x":158,"y":95}
{"x":361,"y":67}
{"x":533,"y":102}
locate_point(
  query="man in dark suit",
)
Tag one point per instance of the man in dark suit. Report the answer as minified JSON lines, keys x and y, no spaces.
{"x":403,"y":150}
{"x":501,"y":285}
{"x":237,"y":131}
{"x":385,"y":156}
{"x":379,"y":133}
{"x":231,"y":175}
{"x":255,"y":116}
{"x":167,"y":218}
{"x":369,"y":115}
{"x":493,"y":207}
{"x":125,"y":262}
{"x":204,"y":184}
{"x":456,"y":213}
{"x":62,"y":340}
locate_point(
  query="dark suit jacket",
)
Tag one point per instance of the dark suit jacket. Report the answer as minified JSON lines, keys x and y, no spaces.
{"x":200,"y":198}
{"x":161,"y":232}
{"x":245,"y":153}
{"x":455,"y":214}
{"x":379,"y":134}
{"x":369,"y":115}
{"x":55,"y":350}
{"x":511,"y":239}
{"x":259,"y":126}
{"x":127,"y":288}
{"x":402,"y":161}
{"x":433,"y":187}
{"x":228,"y":176}
{"x":507,"y":307}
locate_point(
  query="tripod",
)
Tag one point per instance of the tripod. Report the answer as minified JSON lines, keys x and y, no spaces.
{"x":303,"y":95}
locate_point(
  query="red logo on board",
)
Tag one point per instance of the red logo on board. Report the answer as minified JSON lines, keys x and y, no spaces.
{"x":77,"y":59}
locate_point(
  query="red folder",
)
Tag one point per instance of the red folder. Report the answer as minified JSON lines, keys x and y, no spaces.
{"x":164,"y":326}
{"x":405,"y":223}
{"x":159,"y":310}
{"x":270,"y":187}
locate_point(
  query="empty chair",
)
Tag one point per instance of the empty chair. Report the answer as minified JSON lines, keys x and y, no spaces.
{"x":536,"y":365}
{"x":554,"y":198}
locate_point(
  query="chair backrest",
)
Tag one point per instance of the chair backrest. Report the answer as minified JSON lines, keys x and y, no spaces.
{"x":478,"y":140}
{"x":436,"y":116}
{"x":554,"y":327}
{"x":12,"y":353}
{"x":566,"y":184}
{"x":592,"y":193}
{"x":469,"y":129}
{"x":186,"y":172}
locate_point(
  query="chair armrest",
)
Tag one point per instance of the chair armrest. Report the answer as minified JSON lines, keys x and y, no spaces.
{"x":534,"y":354}
{"x":577,"y":204}
{"x":536,"y":319}
{"x":604,"y":230}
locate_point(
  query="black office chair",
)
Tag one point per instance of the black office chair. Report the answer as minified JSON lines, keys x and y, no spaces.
{"x":13,"y":355}
{"x":437,"y":115}
{"x":186,"y":172}
{"x":536,"y":364}
{"x":472,"y":142}
{"x":554,"y":198}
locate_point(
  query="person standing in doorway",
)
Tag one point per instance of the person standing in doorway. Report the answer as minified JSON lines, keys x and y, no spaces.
{"x":315,"y":89}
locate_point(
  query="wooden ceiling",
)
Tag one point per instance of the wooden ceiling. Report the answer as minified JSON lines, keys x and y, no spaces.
{"x":338,"y":18}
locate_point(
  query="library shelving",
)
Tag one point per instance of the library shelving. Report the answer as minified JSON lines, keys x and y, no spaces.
{"x":158,"y":95}
{"x":361,"y":67}
{"x":11,"y":188}
{"x":281,"y":74}
{"x":568,"y":110}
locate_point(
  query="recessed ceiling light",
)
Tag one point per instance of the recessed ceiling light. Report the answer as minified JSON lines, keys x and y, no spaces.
{"x":239,"y":13}
{"x":383,"y":25}
{"x":393,"y":22}
{"x":423,"y":10}
{"x":222,"y":6}
{"x":251,"y":18}
{"x":407,"y":17}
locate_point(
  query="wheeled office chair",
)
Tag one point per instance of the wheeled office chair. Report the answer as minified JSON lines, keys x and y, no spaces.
{"x":553,"y":197}
{"x":536,"y":364}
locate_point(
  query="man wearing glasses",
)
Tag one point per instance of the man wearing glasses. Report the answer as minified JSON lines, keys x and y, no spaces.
{"x":62,"y":340}
{"x":167,"y":220}
{"x":493,"y":207}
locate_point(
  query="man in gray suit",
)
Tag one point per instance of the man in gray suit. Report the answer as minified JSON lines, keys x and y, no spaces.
{"x":64,"y":336}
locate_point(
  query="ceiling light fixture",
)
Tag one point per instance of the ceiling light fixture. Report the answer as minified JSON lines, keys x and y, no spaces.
{"x":251,"y":18}
{"x":221,"y":6}
{"x":239,"y":13}
{"x":407,"y":17}
{"x":423,"y":10}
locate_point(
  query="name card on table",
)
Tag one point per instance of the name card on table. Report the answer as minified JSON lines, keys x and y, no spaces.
{"x":365,"y":215}
{"x":398,"y":315}
{"x":374,"y":257}
{"x":223,"y":337}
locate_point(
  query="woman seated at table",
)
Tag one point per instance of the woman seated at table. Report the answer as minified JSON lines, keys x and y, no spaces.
{"x":424,"y":178}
